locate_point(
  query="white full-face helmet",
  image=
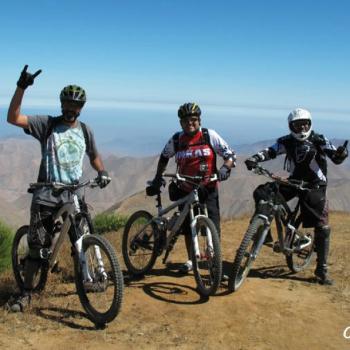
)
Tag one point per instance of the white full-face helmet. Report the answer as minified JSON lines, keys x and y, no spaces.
{"x":300,"y":114}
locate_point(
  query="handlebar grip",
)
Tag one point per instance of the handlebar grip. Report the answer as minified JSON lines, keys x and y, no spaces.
{"x":346,"y":144}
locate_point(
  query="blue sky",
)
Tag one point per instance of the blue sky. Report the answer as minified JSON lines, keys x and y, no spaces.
{"x":215,"y":52}
{"x":272,"y":55}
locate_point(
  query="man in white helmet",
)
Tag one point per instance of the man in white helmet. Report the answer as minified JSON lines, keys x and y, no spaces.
{"x":306,"y":153}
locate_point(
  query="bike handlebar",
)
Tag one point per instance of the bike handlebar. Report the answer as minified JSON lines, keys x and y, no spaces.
{"x":190,"y":179}
{"x":61,"y":186}
{"x":298,"y":184}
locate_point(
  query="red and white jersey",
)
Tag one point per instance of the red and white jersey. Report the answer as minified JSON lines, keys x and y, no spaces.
{"x":194,"y":156}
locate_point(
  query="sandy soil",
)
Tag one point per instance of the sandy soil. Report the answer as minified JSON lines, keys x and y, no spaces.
{"x":273,"y":310}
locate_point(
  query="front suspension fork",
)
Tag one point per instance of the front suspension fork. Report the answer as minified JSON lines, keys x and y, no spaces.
{"x":78,"y":244}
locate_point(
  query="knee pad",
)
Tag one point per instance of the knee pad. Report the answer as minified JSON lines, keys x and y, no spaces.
{"x":323,"y":231}
{"x":38,"y":236}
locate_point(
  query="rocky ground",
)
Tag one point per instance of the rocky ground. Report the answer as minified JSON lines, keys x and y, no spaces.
{"x":273,"y":309}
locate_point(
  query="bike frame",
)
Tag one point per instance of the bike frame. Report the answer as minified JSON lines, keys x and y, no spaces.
{"x":67,"y":216}
{"x":189,"y":202}
{"x":286,"y":221}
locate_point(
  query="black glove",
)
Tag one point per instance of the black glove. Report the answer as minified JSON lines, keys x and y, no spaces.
{"x":154,"y":187}
{"x":342,"y":151}
{"x":103,"y":179}
{"x":224,"y":173}
{"x":251,"y":163}
{"x":26,"y":78}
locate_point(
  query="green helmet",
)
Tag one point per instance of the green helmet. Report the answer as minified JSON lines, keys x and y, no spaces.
{"x":73,"y":93}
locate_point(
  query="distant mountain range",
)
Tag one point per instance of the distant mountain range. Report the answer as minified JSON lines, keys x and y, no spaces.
{"x":20,"y":159}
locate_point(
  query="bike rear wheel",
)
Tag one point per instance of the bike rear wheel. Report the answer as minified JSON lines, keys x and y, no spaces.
{"x":207,"y":265}
{"x":19,"y":254}
{"x":246,"y":254}
{"x":140,"y":243}
{"x":100,"y":285}
{"x":302,"y":245}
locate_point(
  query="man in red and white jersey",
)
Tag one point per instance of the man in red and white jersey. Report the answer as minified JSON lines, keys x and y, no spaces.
{"x":195,"y":150}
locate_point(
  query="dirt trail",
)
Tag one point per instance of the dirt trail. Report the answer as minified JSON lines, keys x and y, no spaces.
{"x":272,"y":310}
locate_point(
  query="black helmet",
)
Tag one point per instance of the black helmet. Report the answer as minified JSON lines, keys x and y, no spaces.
{"x":189,"y":109}
{"x":73,"y":93}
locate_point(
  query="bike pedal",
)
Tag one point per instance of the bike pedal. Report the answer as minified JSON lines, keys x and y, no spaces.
{"x":276,"y":247}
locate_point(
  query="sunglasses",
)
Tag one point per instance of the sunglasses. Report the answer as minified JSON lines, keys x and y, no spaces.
{"x":72,"y":104}
{"x":189,"y":120}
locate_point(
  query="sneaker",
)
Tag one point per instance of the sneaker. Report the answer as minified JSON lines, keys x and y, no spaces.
{"x":186,"y":267}
{"x":18,"y":304}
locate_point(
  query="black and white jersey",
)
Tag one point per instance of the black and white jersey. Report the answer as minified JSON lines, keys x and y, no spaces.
{"x":305,"y":160}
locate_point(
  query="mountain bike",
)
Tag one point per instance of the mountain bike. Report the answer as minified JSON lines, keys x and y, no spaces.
{"x":295,"y":243}
{"x":146,"y":237}
{"x":97,"y":275}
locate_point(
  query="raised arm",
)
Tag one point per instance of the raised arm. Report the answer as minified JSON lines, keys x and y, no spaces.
{"x":14,"y":115}
{"x":337,"y":155}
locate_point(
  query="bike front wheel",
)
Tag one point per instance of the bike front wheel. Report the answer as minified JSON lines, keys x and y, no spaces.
{"x":98,"y":279}
{"x":139,"y":246}
{"x":246,"y":254}
{"x":302,"y":248}
{"x":207,"y":263}
{"x":19,"y":255}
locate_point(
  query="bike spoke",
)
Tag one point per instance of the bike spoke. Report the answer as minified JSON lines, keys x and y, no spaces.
{"x":139,"y":243}
{"x":99,"y":280}
{"x":207,"y":258}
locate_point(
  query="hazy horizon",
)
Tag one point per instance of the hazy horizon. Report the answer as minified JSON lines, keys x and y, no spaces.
{"x":144,"y":130}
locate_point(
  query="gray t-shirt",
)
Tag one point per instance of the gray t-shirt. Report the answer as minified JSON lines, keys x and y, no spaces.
{"x":62,"y":150}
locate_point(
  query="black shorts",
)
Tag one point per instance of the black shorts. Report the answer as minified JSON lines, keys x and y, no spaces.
{"x":313,"y":203}
{"x":210,"y":198}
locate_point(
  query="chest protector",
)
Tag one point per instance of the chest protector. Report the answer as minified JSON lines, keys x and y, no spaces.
{"x":304,"y":158}
{"x":194,"y":155}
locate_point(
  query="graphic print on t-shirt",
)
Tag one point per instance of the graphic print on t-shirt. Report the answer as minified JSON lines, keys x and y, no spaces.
{"x":65,"y":153}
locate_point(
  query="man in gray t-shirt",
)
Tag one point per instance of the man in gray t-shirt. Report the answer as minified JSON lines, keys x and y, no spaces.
{"x":64,"y":141}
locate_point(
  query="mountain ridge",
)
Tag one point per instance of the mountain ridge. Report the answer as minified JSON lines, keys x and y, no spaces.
{"x":20,"y":159}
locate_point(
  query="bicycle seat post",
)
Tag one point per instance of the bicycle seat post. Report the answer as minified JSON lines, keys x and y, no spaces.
{"x":159,"y":202}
